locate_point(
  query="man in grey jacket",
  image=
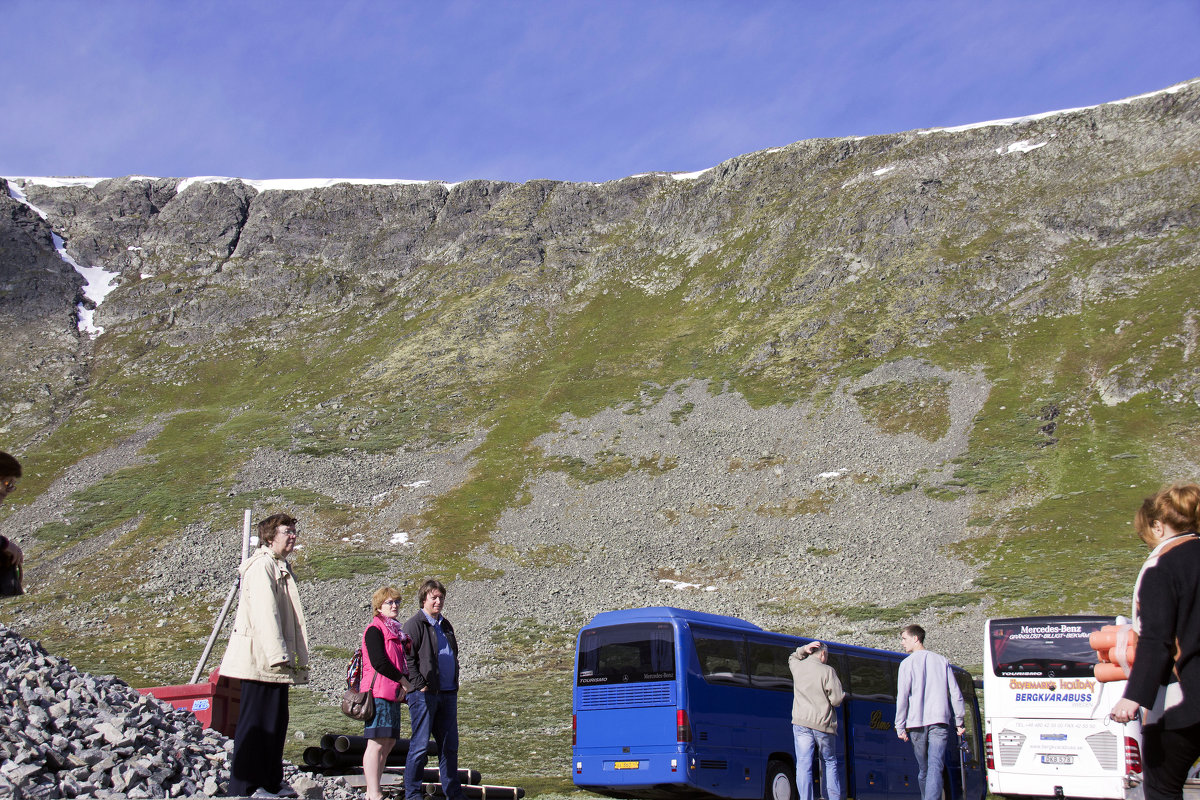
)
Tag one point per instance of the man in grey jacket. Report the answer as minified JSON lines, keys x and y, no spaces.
{"x":816,"y":692}
{"x":927,"y":699}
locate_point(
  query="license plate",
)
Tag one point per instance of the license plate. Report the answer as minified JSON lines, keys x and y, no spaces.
{"x":1053,"y":758}
{"x":627,"y":764}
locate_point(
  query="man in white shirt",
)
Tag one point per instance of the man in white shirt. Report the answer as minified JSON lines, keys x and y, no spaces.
{"x":927,"y":699}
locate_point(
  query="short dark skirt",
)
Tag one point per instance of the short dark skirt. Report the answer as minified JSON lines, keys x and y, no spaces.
{"x":386,"y":722}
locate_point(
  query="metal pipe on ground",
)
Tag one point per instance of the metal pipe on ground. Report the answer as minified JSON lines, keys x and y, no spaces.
{"x":312,"y":756}
{"x":395,"y":775}
{"x":465,"y":776}
{"x":358,"y":744}
{"x":332,"y":758}
{"x":479,"y":792}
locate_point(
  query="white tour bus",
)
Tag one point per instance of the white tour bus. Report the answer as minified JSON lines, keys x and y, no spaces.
{"x":1047,"y":731}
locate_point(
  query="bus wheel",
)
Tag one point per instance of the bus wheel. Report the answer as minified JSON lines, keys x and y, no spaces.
{"x":781,"y":781}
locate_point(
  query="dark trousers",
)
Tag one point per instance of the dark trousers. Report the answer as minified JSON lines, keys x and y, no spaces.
{"x":437,"y":714}
{"x":1167,"y":755}
{"x":257,"y":760}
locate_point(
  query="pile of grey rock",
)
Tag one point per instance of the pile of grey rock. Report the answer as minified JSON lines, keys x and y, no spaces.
{"x":65,"y":733}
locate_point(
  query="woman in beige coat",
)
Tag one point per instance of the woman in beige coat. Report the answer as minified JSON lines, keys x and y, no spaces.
{"x":268,"y":651}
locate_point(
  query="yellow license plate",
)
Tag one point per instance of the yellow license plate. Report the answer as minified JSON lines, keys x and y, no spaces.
{"x":627,"y":764}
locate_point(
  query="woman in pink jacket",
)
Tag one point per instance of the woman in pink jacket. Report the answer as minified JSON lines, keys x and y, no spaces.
{"x":385,"y":675}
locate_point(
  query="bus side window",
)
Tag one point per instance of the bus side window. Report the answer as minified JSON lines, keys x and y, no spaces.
{"x":838,"y":662}
{"x":871,"y":679}
{"x":769,"y":666}
{"x":722,"y":657}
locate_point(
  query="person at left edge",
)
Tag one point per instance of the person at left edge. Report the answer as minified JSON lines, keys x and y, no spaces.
{"x":268,"y":651}
{"x":11,"y":557}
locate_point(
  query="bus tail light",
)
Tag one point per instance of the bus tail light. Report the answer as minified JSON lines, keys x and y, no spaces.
{"x":1133,"y":757}
{"x":987,"y":749}
{"x":683,"y":730}
{"x":574,"y":729}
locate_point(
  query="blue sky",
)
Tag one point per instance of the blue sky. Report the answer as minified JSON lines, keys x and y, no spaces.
{"x":563,"y":89}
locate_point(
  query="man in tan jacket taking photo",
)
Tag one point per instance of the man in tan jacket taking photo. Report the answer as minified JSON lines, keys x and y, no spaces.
{"x":816,"y":692}
{"x":268,"y":651}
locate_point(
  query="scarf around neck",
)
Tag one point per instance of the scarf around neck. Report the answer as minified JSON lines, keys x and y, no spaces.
{"x":394,"y":627}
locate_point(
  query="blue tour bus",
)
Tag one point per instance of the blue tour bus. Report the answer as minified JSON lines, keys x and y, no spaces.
{"x":670,"y":703}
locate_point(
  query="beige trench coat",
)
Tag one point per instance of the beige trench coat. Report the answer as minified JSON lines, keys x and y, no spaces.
{"x":269,"y":642}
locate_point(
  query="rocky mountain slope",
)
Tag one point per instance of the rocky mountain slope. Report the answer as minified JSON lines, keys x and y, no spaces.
{"x":833,"y":388}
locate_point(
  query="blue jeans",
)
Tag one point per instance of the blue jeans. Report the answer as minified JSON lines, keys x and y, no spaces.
{"x":807,"y":741}
{"x":435,"y":714}
{"x":929,"y":744}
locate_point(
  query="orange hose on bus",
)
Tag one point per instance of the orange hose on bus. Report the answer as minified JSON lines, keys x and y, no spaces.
{"x":1111,"y":655}
{"x":1103,"y":639}
{"x":1106,"y":673}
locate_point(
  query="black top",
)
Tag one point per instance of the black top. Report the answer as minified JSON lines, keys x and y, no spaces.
{"x":378,"y":656}
{"x":1169,"y":610}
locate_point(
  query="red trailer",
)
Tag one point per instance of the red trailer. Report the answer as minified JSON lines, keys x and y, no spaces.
{"x":215,"y":703}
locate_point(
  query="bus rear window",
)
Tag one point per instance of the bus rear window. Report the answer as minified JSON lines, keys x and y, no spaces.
{"x":627,"y":654}
{"x":1044,"y":647}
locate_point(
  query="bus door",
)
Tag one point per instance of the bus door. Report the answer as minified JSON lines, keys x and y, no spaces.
{"x":845,"y":760}
{"x":717,"y":696}
{"x":771,"y":705}
{"x":969,"y":747}
{"x":771,"y":675}
{"x":883,"y":766}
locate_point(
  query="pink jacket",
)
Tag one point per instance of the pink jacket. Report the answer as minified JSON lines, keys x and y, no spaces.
{"x":384,"y":688}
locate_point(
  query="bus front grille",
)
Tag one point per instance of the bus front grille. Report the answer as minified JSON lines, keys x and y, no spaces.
{"x":627,"y":696}
{"x":711,"y":764}
{"x":1104,"y":747}
{"x":1009,"y":744}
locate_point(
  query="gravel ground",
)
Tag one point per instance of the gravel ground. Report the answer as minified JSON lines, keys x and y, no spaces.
{"x":696,"y":536}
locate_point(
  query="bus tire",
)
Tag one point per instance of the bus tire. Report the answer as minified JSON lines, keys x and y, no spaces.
{"x":781,"y":781}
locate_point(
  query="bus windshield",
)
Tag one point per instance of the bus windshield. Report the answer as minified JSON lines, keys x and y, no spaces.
{"x":634,"y":653}
{"x":1044,"y":648}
